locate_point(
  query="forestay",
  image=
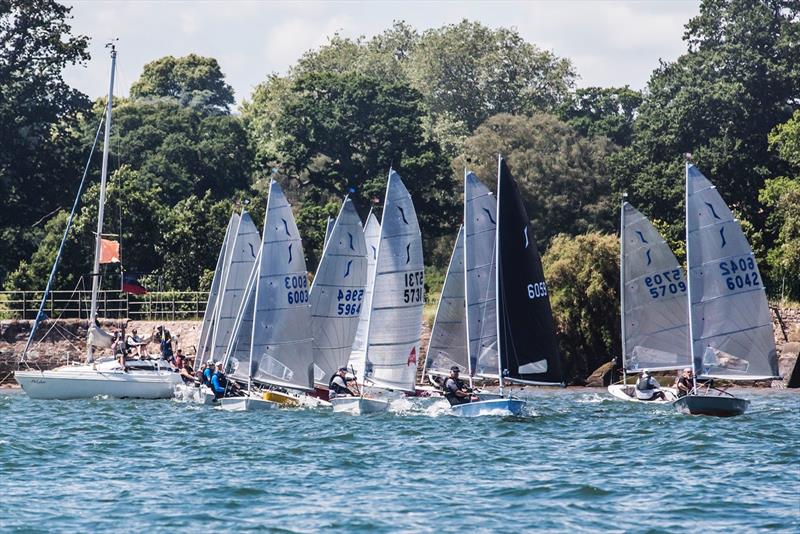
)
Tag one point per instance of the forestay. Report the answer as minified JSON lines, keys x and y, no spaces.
{"x":731,"y":326}
{"x":337,"y":294}
{"x":281,"y":344}
{"x":372,"y":237}
{"x":448,"y":343}
{"x":656,"y":325}
{"x":480,"y":220}
{"x":398,"y":295}
{"x":207,"y":328}
{"x":242,"y":259}
{"x":328,"y":229}
{"x":525,"y":326}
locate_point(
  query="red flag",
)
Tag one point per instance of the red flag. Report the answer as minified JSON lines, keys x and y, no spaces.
{"x":130,"y":284}
{"x":412,"y":356}
{"x":109,"y":251}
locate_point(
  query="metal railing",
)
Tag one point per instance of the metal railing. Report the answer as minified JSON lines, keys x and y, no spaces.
{"x":154,"y":306}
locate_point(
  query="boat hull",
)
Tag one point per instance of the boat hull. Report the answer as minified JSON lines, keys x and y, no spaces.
{"x":246,"y":404}
{"x":501,"y":406}
{"x":359,"y":405}
{"x":714,"y":405}
{"x":284,"y":399}
{"x":86,"y":382}
{"x":627,"y":393}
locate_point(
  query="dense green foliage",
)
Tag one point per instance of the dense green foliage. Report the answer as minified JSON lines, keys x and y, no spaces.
{"x":40,"y":156}
{"x":428,"y":104}
{"x":583,"y":281}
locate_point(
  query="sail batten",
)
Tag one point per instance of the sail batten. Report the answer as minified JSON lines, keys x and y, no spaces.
{"x":337,"y":294}
{"x":448,"y":342}
{"x":395,"y":322}
{"x":654,"y":312}
{"x":242,"y":258}
{"x":528,"y":349}
{"x":480,"y":220}
{"x":281,"y":348}
{"x":731,"y":326}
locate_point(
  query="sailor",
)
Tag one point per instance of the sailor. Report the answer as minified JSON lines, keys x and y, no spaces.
{"x":455,"y":391}
{"x":166,"y":345}
{"x":221,"y":386}
{"x":135,"y":342}
{"x":648,"y":388}
{"x":684,"y":383}
{"x":187,"y":373}
{"x":120,"y":350}
{"x":208,"y":373}
{"x":338,"y":384}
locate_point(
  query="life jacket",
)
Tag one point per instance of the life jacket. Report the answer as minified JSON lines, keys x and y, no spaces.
{"x":643,"y":384}
{"x":336,"y":388}
{"x":448,"y":393}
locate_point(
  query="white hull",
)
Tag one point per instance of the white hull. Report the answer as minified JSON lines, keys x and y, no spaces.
{"x":104,"y":379}
{"x":628,"y":393}
{"x":246,"y":404}
{"x":500,"y":406}
{"x":359,"y":405}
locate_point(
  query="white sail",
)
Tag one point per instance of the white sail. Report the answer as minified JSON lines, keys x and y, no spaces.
{"x":337,"y":294}
{"x":448,"y":343}
{"x":656,"y":325}
{"x":372,"y":237}
{"x":398,"y":295}
{"x":281,"y":342}
{"x":730,"y":322}
{"x":480,"y":221}
{"x":237,"y":357}
{"x":207,"y":328}
{"x":242,"y":258}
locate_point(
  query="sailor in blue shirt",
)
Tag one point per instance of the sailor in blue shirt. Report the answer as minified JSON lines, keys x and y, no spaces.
{"x":221,"y":386}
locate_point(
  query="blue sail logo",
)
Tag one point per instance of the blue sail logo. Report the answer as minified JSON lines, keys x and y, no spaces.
{"x":722,"y":235}
{"x":286,"y":227}
{"x":351,"y":241}
{"x":489,"y":213}
{"x":290,"y":253}
{"x":408,"y":253}
{"x":649,"y":260}
{"x":713,"y":211}
{"x":402,"y":214}
{"x":639,"y":233}
{"x":349,"y":263}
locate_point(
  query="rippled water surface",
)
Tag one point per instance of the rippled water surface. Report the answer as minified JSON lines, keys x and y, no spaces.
{"x":579,"y":461}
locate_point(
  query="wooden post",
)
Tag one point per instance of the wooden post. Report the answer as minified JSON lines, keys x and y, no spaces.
{"x":24,"y":306}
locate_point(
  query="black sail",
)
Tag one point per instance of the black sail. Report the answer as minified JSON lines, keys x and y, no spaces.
{"x":525,"y":326}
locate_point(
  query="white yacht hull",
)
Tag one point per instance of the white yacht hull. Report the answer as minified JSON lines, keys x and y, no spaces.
{"x":104,"y":379}
{"x":359,"y":405}
{"x":628,"y":393}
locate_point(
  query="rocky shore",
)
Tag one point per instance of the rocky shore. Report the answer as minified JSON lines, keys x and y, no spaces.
{"x":61,"y":342}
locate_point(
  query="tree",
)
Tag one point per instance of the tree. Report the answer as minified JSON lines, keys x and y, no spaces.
{"x":719,"y":101}
{"x":472,"y":72}
{"x":193,"y":233}
{"x":40,"y":160}
{"x":782,"y":195}
{"x":582,"y":276}
{"x":561,"y":174}
{"x":335,"y":134}
{"x":191,"y":80}
{"x":609,"y":112}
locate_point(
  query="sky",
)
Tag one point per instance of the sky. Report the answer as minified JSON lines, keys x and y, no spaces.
{"x":610,"y":42}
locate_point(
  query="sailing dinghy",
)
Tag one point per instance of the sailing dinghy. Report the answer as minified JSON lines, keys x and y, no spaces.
{"x":527,"y":350}
{"x":337,"y":295}
{"x":102,"y":376}
{"x":730,"y":326}
{"x":394,"y":320}
{"x":274,"y":318}
{"x":655,"y":327}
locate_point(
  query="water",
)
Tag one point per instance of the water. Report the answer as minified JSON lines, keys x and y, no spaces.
{"x":579,"y":461}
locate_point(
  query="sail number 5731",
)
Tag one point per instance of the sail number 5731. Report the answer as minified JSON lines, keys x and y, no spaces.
{"x":413,"y":287}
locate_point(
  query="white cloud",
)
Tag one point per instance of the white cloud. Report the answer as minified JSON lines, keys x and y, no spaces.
{"x":609,"y":42}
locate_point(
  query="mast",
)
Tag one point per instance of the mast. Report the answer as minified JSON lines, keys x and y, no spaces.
{"x":466,"y":281}
{"x":689,"y":278}
{"x":622,"y":283}
{"x":497,"y":271}
{"x":102,"y":201}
